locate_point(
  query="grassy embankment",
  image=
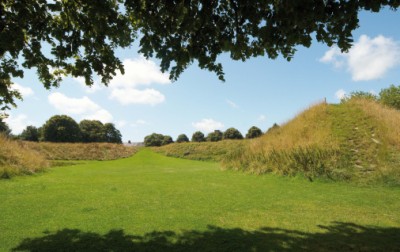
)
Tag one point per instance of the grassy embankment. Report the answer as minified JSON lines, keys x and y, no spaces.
{"x":150,"y":202}
{"x":18,"y":158}
{"x":355,"y":141}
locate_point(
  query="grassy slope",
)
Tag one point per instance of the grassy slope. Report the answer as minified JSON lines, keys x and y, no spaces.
{"x":206,"y":151}
{"x":358,"y":140}
{"x":17,"y":159}
{"x":168,"y":203}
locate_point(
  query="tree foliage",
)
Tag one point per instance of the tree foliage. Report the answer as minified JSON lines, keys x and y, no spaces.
{"x":154,"y":140}
{"x":254,"y":132}
{"x":232,"y":133}
{"x":82,"y":35}
{"x":391,"y":96}
{"x":215,"y":136}
{"x":61,"y":128}
{"x":30,"y":133}
{"x":167,"y":140}
{"x":111,"y":134}
{"x":182,"y":138}
{"x":274,"y":127}
{"x":198,"y":136}
{"x":92,"y":131}
{"x":4,"y":129}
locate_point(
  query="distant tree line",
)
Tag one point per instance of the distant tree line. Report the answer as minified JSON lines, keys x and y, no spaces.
{"x":198,"y":136}
{"x":388,"y":96}
{"x":63,"y":129}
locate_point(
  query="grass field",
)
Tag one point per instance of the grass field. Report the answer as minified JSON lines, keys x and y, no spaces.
{"x":150,"y":202}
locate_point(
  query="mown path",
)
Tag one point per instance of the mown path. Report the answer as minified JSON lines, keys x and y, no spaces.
{"x":154,"y":203}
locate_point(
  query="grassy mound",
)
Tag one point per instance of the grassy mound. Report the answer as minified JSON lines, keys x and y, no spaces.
{"x":82,"y":151}
{"x":358,"y":140}
{"x":206,"y":151}
{"x":17,"y":159}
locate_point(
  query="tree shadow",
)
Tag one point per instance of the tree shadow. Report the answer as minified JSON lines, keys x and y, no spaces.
{"x":338,"y":236}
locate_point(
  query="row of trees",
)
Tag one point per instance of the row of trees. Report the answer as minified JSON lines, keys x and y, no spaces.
{"x":62,"y":128}
{"x":198,"y":136}
{"x":388,"y":96}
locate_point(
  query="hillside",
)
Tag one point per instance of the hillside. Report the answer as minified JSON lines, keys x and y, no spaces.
{"x":358,"y":140}
{"x":16,"y":159}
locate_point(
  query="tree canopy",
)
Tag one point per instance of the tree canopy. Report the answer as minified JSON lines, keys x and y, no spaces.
{"x":79,"y":37}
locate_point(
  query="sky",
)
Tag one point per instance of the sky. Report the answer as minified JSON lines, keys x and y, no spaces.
{"x":258,"y":92}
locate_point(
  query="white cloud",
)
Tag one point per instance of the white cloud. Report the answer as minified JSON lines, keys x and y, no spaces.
{"x":139,"y":71}
{"x":139,"y":122}
{"x":24,"y":91}
{"x":368,"y":59}
{"x":262,"y":118}
{"x":207,"y":125}
{"x":84,"y":107}
{"x":127,"y":96}
{"x":340,"y":94}
{"x":232,"y":104}
{"x":17,"y":123}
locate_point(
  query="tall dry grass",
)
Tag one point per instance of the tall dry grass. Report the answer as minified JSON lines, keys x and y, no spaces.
{"x":81,"y":151}
{"x":303,"y":145}
{"x":388,"y":119}
{"x":16,"y":158}
{"x":206,"y":151}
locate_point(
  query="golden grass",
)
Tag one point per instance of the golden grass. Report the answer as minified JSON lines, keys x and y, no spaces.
{"x":82,"y":151}
{"x":16,"y":158}
{"x":207,"y":151}
{"x":388,"y":119}
{"x":358,"y":140}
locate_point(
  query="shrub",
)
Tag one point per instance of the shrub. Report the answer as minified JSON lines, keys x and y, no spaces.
{"x":61,"y":128}
{"x":154,"y":140}
{"x":182,"y":139}
{"x":215,"y":136}
{"x":232,"y":133}
{"x":167,"y":140}
{"x":198,"y":136}
{"x":390,"y":96}
{"x":31,"y":133}
{"x":360,"y":95}
{"x":254,"y":132}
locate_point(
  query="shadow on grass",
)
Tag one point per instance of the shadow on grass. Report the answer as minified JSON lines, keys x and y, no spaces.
{"x":336,"y":237}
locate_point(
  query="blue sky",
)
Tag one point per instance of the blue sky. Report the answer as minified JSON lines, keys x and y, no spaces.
{"x":257,"y":92}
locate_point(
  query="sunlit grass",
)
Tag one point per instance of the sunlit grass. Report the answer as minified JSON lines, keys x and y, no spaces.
{"x":79,"y":207}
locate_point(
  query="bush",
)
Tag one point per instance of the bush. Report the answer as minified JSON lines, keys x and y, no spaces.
{"x":31,"y":133}
{"x":360,"y":95}
{"x":167,"y":140}
{"x":232,"y":133}
{"x":182,"y":139}
{"x":215,"y":136}
{"x":154,"y":140}
{"x":61,"y":128}
{"x":254,"y":132}
{"x":390,"y":96}
{"x":198,"y":136}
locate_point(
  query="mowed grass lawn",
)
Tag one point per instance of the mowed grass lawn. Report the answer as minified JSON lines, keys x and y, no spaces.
{"x":154,"y":203}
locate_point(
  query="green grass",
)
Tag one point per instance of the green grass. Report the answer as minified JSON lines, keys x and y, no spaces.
{"x":150,"y":202}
